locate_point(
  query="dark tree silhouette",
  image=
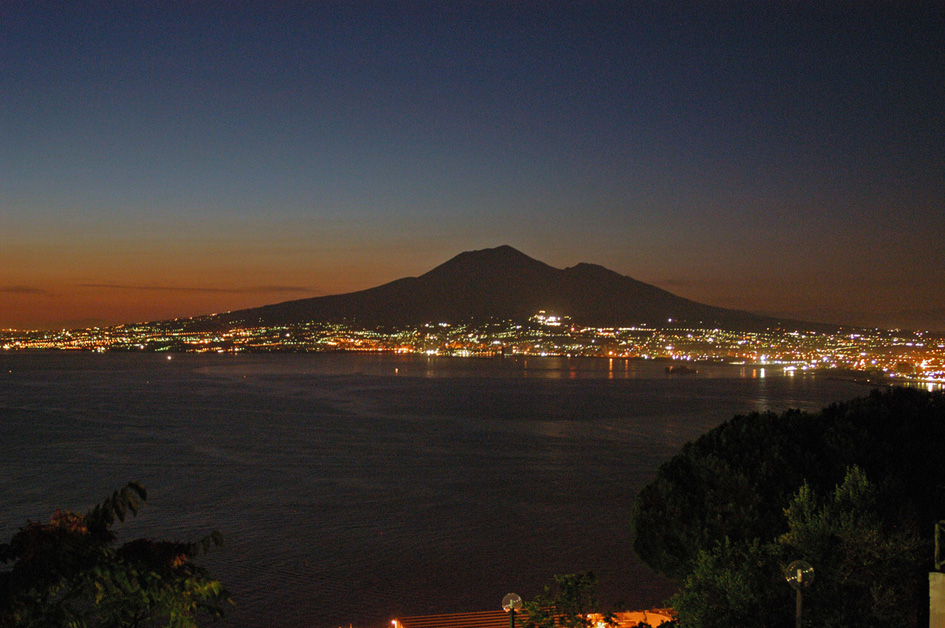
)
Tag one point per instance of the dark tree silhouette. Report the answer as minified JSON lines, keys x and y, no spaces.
{"x":68,"y":572}
{"x":725,"y":493}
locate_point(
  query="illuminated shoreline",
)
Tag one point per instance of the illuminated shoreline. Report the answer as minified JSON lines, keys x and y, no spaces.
{"x":877,"y":356}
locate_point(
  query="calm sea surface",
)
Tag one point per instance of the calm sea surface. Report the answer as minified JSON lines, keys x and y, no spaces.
{"x":353,"y":489}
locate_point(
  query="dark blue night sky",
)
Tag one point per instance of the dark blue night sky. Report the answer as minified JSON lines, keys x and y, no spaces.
{"x":173,"y":158}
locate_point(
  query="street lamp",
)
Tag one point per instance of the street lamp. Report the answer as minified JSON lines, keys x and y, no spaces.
{"x":511,"y":603}
{"x":799,"y":575}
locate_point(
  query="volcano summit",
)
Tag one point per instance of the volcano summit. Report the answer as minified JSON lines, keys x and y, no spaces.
{"x":503,"y":283}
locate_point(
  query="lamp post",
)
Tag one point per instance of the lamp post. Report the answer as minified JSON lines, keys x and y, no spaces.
{"x":511,"y":603}
{"x":799,"y":575}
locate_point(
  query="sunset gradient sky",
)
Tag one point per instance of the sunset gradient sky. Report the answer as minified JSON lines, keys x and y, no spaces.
{"x":167,"y":159}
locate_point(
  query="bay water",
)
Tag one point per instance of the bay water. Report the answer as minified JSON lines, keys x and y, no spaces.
{"x":353,"y":489}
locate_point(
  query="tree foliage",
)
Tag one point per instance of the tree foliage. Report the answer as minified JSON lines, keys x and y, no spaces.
{"x":733,"y":482}
{"x":570,"y":603}
{"x":862,"y":482}
{"x":865,"y":574}
{"x":734,"y":584}
{"x":69,"y":573}
{"x":865,"y":565}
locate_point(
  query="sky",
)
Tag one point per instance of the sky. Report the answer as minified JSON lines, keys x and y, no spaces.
{"x":172,"y":159}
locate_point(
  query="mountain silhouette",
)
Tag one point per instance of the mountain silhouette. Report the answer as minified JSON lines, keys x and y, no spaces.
{"x":502,"y":283}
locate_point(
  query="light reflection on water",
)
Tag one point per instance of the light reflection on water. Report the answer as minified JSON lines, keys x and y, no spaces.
{"x":351,"y":486}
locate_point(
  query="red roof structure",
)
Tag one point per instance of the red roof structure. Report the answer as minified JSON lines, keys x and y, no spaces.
{"x":500,"y":619}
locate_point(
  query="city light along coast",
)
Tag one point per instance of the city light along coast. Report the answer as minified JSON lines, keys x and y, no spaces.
{"x":874,"y":355}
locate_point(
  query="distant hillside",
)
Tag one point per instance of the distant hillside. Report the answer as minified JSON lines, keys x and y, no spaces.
{"x":503,"y":283}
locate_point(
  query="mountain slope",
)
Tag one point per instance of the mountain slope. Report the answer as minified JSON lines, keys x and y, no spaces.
{"x":501,"y":283}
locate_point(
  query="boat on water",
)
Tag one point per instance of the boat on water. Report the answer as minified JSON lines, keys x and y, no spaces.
{"x":680,"y":369}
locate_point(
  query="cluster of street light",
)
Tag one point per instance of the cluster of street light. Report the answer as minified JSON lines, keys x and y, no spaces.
{"x":911,"y":355}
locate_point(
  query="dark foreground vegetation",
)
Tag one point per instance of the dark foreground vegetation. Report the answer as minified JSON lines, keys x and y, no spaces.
{"x":855,"y":490}
{"x":70,"y":573}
